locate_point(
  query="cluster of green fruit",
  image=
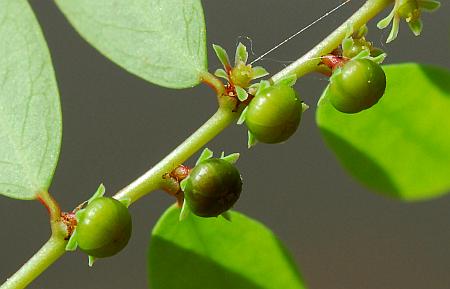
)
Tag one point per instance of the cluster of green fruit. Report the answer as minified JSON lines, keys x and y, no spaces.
{"x":272,"y":114}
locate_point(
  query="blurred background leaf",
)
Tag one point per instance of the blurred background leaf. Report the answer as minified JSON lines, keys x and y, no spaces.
{"x":215,"y":253}
{"x":401,"y":146}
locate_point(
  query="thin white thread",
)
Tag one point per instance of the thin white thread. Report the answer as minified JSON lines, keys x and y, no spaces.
{"x":301,"y":31}
{"x":249,"y":41}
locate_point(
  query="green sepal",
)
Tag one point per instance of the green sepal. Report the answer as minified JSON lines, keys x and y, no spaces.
{"x":362,"y":32}
{"x":206,"y":154}
{"x":365,"y":53}
{"x":349,"y":30}
{"x":379,"y":59}
{"x":288,"y":80}
{"x":429,"y":5}
{"x":126,"y":202}
{"x":91,"y":260}
{"x":324,"y":94}
{"x":222,"y":55}
{"x":241,"y":54}
{"x":383,"y":23}
{"x":241,"y":119}
{"x":231,"y":158}
{"x":416,"y":26}
{"x":227,"y":216}
{"x":72,"y":244}
{"x":241,"y":93}
{"x":394,"y":31}
{"x":262,"y":85}
{"x":183,"y":183}
{"x":221,"y":73}
{"x":305,"y":107}
{"x":185,"y":211}
{"x":251,"y":140}
{"x":259,"y":71}
{"x":98,"y":194}
{"x":347,"y":44}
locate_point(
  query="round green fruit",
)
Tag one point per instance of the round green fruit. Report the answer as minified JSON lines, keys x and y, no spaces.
{"x":213,"y":187}
{"x":274,"y":114}
{"x":104,"y":228}
{"x":358,"y":86}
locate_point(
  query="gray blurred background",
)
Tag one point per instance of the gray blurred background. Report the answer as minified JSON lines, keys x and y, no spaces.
{"x":116,"y":126}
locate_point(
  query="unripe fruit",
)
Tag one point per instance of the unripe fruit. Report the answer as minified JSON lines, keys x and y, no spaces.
{"x":274,"y":114}
{"x":358,"y":86}
{"x":104,"y":228}
{"x":213,"y":187}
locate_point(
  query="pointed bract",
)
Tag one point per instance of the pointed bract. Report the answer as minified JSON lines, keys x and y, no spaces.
{"x":241,"y":93}
{"x":206,"y":154}
{"x":222,"y":55}
{"x":241,"y":54}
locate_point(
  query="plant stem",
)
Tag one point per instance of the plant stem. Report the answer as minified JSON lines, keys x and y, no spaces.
{"x":49,"y":253}
{"x":152,"y":179}
{"x":308,"y":62}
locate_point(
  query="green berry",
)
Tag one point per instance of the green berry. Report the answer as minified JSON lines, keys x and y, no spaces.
{"x":357,"y":86}
{"x":274,"y":114}
{"x":213,"y":187}
{"x":104,"y":228}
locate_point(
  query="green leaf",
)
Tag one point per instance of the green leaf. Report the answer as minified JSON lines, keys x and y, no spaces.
{"x":163,"y":42}
{"x":30,"y":113}
{"x":214,"y":253}
{"x":401,"y":146}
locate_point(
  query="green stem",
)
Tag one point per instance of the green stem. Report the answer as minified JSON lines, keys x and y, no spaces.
{"x":49,"y":253}
{"x":308,"y":62}
{"x":152,"y":179}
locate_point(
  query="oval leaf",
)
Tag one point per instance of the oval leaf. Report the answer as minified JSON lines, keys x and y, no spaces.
{"x":30,"y":114}
{"x":400,"y":146}
{"x":216,"y":253}
{"x":163,"y":42}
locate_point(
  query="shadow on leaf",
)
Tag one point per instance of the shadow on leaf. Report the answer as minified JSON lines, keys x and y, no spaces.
{"x":181,"y":268}
{"x":361,"y":165}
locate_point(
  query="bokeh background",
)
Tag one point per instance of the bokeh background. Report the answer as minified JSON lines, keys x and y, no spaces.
{"x":116,"y":126}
